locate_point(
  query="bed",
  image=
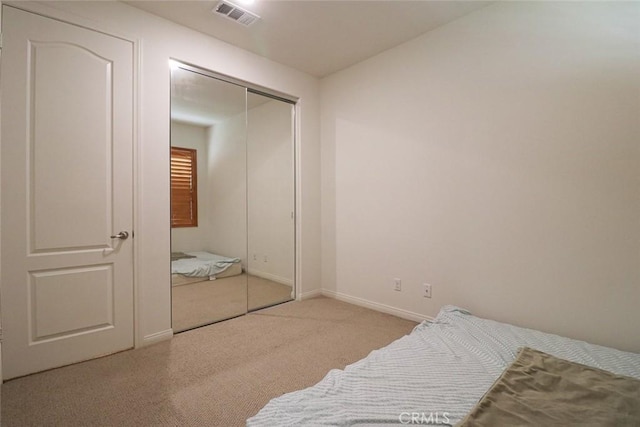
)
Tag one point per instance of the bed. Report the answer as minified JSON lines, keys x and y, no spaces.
{"x":190,"y":267}
{"x":441,"y":373}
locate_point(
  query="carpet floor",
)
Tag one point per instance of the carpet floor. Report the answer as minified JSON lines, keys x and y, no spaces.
{"x":218,"y":375}
{"x":205,"y":302}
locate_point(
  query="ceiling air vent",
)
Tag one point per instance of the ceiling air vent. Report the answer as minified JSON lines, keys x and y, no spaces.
{"x":236,"y":13}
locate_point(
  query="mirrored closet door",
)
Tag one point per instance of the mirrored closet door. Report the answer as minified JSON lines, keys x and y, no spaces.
{"x":232,"y":198}
{"x":270,"y":201}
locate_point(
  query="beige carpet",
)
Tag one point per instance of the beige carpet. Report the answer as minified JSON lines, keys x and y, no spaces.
{"x":217,"y":375}
{"x":205,"y":302}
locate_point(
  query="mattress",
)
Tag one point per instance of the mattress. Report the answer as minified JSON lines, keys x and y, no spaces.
{"x":201,"y":265}
{"x":436,"y":373}
{"x":232,"y":270}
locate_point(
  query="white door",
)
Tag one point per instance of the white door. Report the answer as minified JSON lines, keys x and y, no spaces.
{"x":66,"y":189}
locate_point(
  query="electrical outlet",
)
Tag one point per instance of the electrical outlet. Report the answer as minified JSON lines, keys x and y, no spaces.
{"x":266,"y":259}
{"x":398,"y":284}
{"x":426,"y":290}
{"x":255,"y":257}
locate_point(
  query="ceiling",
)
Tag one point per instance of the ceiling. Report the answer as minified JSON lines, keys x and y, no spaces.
{"x":316,"y":37}
{"x":204,"y":101}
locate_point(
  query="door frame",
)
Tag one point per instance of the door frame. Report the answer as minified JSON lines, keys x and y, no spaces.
{"x":60,"y":15}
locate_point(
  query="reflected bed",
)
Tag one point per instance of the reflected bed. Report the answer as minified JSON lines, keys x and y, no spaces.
{"x":191,"y":267}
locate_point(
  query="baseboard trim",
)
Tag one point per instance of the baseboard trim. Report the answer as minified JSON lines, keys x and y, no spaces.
{"x":404,"y":314}
{"x":272,"y":277}
{"x":310,"y":294}
{"x":157,"y":337}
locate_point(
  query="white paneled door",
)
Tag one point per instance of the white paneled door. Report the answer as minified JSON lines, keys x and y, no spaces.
{"x":66,"y":201}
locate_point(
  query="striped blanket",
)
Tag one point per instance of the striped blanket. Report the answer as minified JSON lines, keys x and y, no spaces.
{"x":434,"y":375}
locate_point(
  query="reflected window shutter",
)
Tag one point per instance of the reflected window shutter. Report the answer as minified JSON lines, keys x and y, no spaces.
{"x":184,"y":189}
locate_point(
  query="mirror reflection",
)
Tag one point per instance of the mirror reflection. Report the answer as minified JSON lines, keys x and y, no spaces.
{"x":270,"y":201}
{"x":232,"y":199}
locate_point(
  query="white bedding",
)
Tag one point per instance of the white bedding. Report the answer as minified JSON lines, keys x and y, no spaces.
{"x":204,"y":264}
{"x":440,"y":371}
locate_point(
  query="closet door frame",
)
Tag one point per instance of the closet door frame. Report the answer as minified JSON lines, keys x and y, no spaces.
{"x":260,"y":90}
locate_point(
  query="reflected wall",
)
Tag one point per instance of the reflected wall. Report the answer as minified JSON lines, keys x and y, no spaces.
{"x":270,"y":201}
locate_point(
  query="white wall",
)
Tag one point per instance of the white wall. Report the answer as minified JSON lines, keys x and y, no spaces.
{"x":497,"y":158}
{"x":270,"y":191}
{"x":160,"y":40}
{"x":185,"y":239}
{"x":227,"y":197}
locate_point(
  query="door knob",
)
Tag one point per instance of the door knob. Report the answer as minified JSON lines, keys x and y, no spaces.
{"x":123,"y":235}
